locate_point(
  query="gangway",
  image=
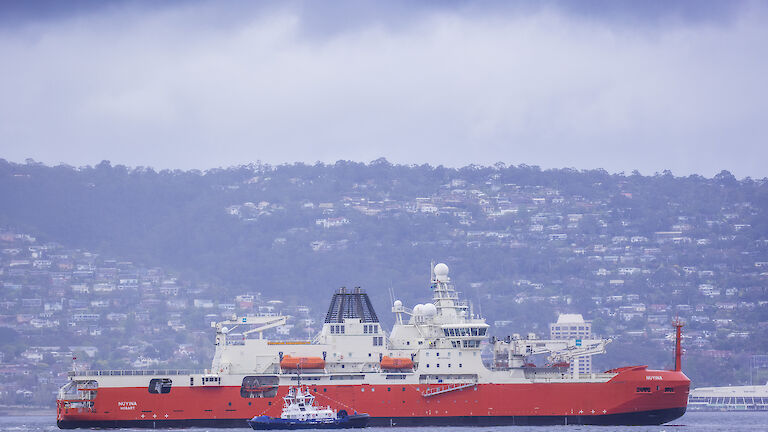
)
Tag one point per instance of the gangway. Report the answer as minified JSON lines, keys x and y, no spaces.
{"x":433,"y":391}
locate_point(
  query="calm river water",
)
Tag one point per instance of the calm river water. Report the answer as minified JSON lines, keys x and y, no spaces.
{"x":692,"y":421}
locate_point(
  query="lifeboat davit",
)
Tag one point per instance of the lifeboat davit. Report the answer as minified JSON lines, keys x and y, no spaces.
{"x":289,"y":362}
{"x":396,"y":363}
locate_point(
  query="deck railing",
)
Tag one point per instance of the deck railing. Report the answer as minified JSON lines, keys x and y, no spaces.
{"x":158,"y":372}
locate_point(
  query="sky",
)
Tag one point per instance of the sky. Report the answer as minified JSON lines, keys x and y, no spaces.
{"x":613,"y":84}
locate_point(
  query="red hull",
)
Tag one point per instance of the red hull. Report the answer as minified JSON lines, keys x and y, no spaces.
{"x":614,"y":402}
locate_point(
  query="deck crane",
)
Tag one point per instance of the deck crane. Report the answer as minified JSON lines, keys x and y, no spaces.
{"x":514,"y":352}
{"x":262,"y":323}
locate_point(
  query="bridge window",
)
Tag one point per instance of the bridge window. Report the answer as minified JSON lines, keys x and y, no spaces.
{"x":643,"y":390}
{"x":160,"y":385}
{"x":669,"y":390}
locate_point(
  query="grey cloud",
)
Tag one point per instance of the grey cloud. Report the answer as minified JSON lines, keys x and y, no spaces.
{"x":196,"y":86}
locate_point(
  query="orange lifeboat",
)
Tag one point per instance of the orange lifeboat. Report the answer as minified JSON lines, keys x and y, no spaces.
{"x":289,"y":362}
{"x":396,"y":363}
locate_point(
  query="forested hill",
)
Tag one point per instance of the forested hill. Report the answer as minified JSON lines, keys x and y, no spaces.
{"x":627,"y":251}
{"x":255,"y":225}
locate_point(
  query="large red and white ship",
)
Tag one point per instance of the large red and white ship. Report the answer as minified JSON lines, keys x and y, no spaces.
{"x":427,"y":371}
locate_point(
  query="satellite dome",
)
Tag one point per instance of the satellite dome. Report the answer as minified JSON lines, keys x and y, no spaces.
{"x":429,"y":310}
{"x":398,"y":304}
{"x":418,"y":309}
{"x":441,"y":272}
{"x":225,"y":330}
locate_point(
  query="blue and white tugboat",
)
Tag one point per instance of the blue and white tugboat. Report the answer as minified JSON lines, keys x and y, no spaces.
{"x":299,"y":412}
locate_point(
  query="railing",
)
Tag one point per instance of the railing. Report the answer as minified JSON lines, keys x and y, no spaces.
{"x":547,"y":375}
{"x":135,"y":372}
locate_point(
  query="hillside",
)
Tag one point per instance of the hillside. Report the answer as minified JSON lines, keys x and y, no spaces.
{"x":630,"y":252}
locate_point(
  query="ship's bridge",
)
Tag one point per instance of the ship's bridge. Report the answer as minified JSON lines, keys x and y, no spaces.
{"x":446,"y":322}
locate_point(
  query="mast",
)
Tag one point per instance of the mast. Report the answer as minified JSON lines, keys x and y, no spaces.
{"x":678,"y":344}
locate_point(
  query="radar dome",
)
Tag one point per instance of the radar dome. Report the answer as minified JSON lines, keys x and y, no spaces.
{"x":429,"y":310}
{"x":398,"y":304}
{"x":418,"y":309}
{"x":225,"y":330}
{"x":441,"y":272}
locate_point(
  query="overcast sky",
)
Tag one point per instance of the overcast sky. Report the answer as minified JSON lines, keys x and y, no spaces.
{"x":620,"y":85}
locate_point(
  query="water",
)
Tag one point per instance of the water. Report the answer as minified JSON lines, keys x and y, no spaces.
{"x":692,"y":421}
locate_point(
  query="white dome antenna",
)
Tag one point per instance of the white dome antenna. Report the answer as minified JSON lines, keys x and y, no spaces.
{"x":441,"y":273}
{"x":429,"y":310}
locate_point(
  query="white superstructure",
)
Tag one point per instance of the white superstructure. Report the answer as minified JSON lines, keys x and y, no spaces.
{"x":299,"y":404}
{"x":433,"y":343}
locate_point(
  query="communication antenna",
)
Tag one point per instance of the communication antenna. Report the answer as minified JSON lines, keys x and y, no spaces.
{"x":479,"y":306}
{"x":431,"y":270}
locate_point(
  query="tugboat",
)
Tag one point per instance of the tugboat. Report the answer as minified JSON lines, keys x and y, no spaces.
{"x":299,"y":412}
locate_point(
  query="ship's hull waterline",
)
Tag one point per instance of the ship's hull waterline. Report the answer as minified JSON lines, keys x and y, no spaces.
{"x":641,"y":418}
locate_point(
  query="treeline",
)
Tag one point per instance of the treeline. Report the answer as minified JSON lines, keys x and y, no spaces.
{"x":177,"y":218}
